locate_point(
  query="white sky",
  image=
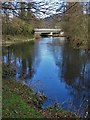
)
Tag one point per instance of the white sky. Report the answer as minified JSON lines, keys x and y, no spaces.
{"x":63,"y":0}
{"x":48,"y":8}
{"x":47,"y":0}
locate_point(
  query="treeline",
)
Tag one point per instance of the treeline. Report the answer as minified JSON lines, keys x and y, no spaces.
{"x":18,"y":21}
{"x":75,"y":24}
{"x":17,"y":26}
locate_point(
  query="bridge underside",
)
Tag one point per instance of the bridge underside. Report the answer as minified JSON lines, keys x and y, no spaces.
{"x":48,"y":34}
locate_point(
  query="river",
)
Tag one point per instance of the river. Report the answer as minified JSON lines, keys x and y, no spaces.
{"x":53,"y":68}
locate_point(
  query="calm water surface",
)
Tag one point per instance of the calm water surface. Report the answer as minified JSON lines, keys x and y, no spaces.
{"x":53,"y":68}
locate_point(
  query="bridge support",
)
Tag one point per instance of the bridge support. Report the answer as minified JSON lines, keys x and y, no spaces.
{"x":51,"y":34}
{"x":37,"y":35}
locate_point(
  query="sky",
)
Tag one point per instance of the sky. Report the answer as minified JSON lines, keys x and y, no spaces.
{"x":46,"y":8}
{"x":44,"y":0}
{"x":59,"y":0}
{"x":49,"y":0}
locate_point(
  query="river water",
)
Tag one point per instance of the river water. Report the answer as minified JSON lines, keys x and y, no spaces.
{"x":53,"y":68}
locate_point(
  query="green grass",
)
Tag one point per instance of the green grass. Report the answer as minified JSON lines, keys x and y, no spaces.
{"x":15,"y":107}
{"x":19,"y":101}
{"x":15,"y":104}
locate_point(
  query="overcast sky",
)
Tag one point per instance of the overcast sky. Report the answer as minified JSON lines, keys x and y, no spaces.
{"x":47,"y":0}
{"x":46,"y":8}
{"x":44,"y":0}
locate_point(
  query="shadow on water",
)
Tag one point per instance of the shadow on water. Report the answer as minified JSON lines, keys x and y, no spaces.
{"x":54,"y":68}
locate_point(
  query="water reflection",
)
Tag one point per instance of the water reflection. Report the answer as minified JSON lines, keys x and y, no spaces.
{"x":74,"y":70}
{"x":52,"y":66}
{"x":22,"y":56}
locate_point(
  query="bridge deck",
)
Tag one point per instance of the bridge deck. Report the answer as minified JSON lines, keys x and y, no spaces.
{"x":47,"y":30}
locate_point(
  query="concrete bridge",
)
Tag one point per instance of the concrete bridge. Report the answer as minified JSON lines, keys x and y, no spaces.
{"x":49,"y":32}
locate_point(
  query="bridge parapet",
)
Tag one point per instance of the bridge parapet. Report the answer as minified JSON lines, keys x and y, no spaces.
{"x":47,"y":30}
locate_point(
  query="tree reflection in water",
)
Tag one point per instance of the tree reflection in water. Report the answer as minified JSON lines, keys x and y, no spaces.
{"x":74,"y":70}
{"x":22,"y":57}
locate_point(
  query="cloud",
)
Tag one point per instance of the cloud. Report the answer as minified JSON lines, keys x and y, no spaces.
{"x":46,"y":8}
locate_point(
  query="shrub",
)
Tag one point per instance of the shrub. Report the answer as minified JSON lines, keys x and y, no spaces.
{"x":17,"y":27}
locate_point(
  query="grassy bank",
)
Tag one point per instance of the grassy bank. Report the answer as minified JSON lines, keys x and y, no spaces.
{"x":21,"y":102}
{"x":9,"y":39}
{"x":16,"y":30}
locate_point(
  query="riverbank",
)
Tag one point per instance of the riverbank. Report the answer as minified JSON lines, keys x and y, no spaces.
{"x":19,"y":101}
{"x":8,"y":40}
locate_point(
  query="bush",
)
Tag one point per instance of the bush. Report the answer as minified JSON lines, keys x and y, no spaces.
{"x":17,"y":27}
